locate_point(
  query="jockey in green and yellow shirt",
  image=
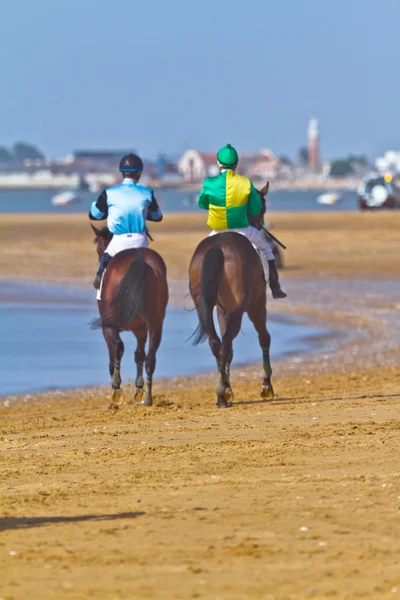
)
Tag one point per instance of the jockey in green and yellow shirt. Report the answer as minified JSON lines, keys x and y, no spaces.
{"x":230,"y":199}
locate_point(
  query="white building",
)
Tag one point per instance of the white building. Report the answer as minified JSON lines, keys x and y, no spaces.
{"x":260,"y":165}
{"x":389,"y":162}
{"x":196,"y":166}
{"x":45,"y":178}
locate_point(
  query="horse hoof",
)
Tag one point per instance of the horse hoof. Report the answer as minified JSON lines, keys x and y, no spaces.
{"x":117,"y":398}
{"x":222,"y":403}
{"x":138,"y":396}
{"x":228,"y":395}
{"x":148,"y":401}
{"x":267,"y":392}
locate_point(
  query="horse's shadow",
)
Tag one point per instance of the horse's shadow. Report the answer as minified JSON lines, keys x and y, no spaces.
{"x":261,"y":401}
{"x":283,"y":400}
{"x":12,"y":523}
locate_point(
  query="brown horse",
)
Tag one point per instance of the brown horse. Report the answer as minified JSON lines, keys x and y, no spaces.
{"x":226,"y":272}
{"x":134,"y":297}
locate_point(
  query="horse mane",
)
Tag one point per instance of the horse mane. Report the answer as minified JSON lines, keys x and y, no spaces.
{"x":103,"y":233}
{"x":263,"y":204}
{"x":257,"y":220}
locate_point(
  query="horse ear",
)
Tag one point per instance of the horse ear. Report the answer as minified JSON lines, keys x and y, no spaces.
{"x":96,"y":231}
{"x":264,"y":190}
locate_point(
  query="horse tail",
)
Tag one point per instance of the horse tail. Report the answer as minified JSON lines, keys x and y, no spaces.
{"x":128,"y":301}
{"x":211,"y":269}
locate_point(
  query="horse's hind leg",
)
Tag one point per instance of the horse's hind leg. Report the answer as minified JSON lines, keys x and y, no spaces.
{"x":230,"y":327}
{"x":258,"y":315}
{"x":140,"y":357}
{"x":223,"y":322}
{"x":116,"y":351}
{"x":154,"y":343}
{"x":223,"y":389}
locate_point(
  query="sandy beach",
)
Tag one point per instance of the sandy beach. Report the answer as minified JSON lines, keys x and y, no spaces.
{"x":58,"y":247}
{"x":291,"y":499}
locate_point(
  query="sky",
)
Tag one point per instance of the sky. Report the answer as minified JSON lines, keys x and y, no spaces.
{"x":164,"y":75}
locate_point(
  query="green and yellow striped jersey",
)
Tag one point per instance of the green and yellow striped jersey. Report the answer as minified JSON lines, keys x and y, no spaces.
{"x":229,"y":198}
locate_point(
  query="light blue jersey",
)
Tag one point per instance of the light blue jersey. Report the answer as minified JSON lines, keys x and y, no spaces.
{"x":126,"y":206}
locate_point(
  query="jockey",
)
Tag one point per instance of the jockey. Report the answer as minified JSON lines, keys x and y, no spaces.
{"x":230,"y":198}
{"x":126,"y":207}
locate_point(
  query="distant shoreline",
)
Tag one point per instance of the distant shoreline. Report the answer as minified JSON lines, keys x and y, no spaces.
{"x":299,"y":185}
{"x":350,"y":184}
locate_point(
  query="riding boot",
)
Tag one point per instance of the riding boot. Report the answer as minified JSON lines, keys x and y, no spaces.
{"x":274,"y":284}
{"x":105,"y":259}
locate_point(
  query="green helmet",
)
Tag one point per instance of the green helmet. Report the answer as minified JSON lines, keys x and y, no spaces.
{"x":227,"y":156}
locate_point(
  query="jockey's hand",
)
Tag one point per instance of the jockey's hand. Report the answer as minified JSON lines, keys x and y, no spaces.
{"x":154,"y":214}
{"x":255,"y":221}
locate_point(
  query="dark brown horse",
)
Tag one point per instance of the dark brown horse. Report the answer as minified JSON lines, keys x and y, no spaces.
{"x":134,"y":297}
{"x":226,"y":272}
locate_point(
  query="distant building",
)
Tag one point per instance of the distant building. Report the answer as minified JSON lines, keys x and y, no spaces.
{"x":389,"y":162}
{"x":196,"y":166}
{"x":41,"y":179}
{"x":259,"y":165}
{"x":313,"y":144}
{"x":96,"y":160}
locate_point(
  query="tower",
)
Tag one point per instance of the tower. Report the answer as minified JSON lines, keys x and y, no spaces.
{"x":313,"y":144}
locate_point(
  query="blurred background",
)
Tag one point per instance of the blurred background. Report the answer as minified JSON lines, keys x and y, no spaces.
{"x":306,"y":91}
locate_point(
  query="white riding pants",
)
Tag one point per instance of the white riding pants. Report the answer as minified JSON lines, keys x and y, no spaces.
{"x":127,"y":241}
{"x":260,"y":243}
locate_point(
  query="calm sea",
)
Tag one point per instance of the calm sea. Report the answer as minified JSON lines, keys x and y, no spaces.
{"x":47,"y":344}
{"x":39,"y":201}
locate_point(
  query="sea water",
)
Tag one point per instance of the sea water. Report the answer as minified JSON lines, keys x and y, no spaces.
{"x":49,"y":345}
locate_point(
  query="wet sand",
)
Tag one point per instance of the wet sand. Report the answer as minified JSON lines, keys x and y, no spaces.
{"x":297,"y":498}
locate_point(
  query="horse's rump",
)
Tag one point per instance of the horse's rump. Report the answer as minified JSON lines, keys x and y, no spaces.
{"x":239,"y":274}
{"x":223,"y":272}
{"x":135,"y":286}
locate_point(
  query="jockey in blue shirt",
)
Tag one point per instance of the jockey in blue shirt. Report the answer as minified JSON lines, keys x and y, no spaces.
{"x":126,"y":207}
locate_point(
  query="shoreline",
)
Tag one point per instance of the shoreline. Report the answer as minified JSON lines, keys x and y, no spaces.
{"x":292,"y":498}
{"x":345,"y":335}
{"x":30,"y":295}
{"x":316,"y":184}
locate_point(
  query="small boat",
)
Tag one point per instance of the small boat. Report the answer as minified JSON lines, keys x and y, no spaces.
{"x":65,"y":198}
{"x":328,"y":198}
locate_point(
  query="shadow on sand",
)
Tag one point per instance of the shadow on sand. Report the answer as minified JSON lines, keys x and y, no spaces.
{"x":10,"y":523}
{"x":294,"y":400}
